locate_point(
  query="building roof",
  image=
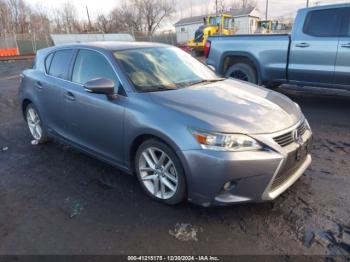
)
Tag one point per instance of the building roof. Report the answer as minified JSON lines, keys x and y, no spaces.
{"x":197,"y":19}
{"x":241,"y":12}
{"x":190,"y":20}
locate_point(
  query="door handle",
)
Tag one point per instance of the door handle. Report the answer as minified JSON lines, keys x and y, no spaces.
{"x":38,"y":85}
{"x":303,"y":45}
{"x":346,"y":45}
{"x":69,"y":96}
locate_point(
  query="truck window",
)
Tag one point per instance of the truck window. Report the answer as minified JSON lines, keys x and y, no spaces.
{"x":345,"y":30}
{"x":323,"y":23}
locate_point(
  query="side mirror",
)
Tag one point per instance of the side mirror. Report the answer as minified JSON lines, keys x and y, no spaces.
{"x":100,"y":86}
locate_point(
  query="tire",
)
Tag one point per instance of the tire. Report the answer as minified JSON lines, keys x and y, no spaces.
{"x":163,"y":179}
{"x":35,"y":125}
{"x":242,"y":71}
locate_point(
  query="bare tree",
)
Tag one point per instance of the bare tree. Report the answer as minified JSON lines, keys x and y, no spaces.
{"x":20,"y":14}
{"x":103,"y":24}
{"x":39,"y":21}
{"x":221,"y":6}
{"x":68,"y":17}
{"x":238,"y":4}
{"x":154,"y":12}
{"x":6,"y":25}
{"x":139,"y":16}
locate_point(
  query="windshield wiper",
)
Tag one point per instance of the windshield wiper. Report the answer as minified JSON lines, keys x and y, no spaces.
{"x":205,"y":81}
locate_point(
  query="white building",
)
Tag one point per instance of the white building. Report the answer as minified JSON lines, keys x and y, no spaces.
{"x":245,"y":21}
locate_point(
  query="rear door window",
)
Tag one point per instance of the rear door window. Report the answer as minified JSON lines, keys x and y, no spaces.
{"x":91,"y":65}
{"x":60,"y":63}
{"x":323,"y":23}
{"x":345,"y":30}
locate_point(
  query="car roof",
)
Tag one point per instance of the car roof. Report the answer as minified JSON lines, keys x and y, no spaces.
{"x":111,"y":45}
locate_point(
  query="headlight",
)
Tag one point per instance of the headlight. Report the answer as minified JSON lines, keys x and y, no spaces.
{"x":225,"y":142}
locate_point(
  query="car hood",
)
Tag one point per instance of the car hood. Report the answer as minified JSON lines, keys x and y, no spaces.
{"x":232,"y":106}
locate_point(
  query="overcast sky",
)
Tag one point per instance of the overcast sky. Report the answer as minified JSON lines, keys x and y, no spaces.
{"x":277,"y":8}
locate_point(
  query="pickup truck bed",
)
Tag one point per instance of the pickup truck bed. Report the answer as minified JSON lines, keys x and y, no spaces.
{"x":270,"y":50}
{"x":316,"y":53}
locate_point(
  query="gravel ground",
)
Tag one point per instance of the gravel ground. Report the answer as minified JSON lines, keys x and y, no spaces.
{"x":56,"y":200}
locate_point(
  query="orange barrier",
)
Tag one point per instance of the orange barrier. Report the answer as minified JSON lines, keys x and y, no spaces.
{"x":9,"y":52}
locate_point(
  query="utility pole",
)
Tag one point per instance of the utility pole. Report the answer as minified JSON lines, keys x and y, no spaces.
{"x":307,"y":3}
{"x":191,"y":7}
{"x":216,"y":7}
{"x":267,"y":8}
{"x":88,"y":16}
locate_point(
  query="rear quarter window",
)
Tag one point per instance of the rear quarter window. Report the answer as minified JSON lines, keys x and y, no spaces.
{"x":60,"y":63}
{"x":48,"y":61}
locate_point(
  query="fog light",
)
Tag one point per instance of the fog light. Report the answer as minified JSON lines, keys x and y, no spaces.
{"x":229,"y":186}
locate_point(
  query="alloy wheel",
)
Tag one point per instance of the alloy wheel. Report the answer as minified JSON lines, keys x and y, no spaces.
{"x":34,"y":124}
{"x":158,"y":173}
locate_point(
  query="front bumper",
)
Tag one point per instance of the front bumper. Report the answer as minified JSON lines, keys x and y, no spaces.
{"x":253,"y":175}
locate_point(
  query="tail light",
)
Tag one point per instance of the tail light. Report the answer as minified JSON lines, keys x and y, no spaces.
{"x":207,"y":48}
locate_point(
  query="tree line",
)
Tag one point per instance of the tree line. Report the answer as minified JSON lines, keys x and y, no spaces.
{"x":137,"y":16}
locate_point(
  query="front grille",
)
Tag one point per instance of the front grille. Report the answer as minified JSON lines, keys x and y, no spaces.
{"x":290,"y":168}
{"x":287,"y":138}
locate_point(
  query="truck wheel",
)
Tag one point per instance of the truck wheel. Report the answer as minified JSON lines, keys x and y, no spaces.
{"x":242,"y":71}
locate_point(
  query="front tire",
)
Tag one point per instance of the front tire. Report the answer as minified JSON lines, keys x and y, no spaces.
{"x":35,"y":125}
{"x":160,"y":172}
{"x":242,"y":71}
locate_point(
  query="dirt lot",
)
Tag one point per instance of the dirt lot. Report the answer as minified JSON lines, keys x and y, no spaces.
{"x":56,"y":200}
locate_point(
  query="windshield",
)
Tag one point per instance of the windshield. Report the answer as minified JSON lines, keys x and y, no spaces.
{"x":162,"y":68}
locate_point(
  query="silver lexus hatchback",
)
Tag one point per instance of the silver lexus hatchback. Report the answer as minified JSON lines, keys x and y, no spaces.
{"x":154,"y":111}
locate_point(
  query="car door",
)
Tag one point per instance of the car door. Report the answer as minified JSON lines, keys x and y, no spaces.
{"x":95,"y":121}
{"x":56,"y":66}
{"x":314,"y":47}
{"x":342,"y":66}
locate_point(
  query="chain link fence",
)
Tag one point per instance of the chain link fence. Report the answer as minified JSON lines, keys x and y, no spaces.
{"x":165,"y":38}
{"x":8,"y":45}
{"x":28,"y":44}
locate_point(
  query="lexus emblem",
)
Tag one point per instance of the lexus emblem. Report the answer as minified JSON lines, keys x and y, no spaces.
{"x":297,"y":137}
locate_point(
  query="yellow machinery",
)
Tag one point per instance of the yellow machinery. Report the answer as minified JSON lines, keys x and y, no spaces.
{"x":222,"y":24}
{"x":271,"y":26}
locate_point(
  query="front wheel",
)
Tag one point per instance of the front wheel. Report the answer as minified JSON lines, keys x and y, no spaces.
{"x":160,"y":172}
{"x":242,"y":71}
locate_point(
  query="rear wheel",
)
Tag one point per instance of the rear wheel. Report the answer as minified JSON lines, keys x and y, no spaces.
{"x":35,"y":125}
{"x":160,"y":172}
{"x":242,"y":71}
